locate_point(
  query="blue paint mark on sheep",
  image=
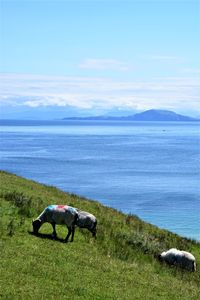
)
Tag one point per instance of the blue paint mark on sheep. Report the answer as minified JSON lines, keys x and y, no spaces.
{"x":50,"y":207}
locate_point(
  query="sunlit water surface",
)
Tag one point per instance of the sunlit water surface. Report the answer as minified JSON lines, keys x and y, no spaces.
{"x":148,"y":169}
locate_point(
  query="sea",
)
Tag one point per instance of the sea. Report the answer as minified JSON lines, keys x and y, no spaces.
{"x":148,"y":169}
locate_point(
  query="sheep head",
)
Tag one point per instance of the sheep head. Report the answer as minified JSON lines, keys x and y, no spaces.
{"x":36,"y":226}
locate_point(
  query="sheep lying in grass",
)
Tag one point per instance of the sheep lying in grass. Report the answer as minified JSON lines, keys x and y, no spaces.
{"x":57,"y":214}
{"x":180,"y":258}
{"x":86,"y":220}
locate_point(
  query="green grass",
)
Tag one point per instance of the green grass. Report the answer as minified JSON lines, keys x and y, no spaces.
{"x":120,"y":264}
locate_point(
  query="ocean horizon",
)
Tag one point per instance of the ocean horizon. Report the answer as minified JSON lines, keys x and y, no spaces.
{"x":149,"y":169}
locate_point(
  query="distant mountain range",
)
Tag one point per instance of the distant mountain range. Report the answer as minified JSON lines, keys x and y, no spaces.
{"x":148,"y":115}
{"x":54,"y":112}
{"x":23,"y":112}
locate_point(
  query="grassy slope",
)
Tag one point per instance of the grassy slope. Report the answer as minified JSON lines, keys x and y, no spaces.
{"x":120,"y":264}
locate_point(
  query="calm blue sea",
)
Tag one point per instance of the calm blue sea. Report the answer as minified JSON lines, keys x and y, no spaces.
{"x":148,"y":169}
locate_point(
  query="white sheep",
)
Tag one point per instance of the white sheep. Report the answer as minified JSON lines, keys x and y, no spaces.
{"x":180,"y":258}
{"x":57,"y":214}
{"x":86,"y":220}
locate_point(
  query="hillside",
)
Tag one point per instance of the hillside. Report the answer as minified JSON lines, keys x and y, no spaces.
{"x":120,"y":264}
{"x":152,"y":115}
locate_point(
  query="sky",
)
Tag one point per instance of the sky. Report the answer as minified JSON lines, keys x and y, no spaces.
{"x":97,"y":54}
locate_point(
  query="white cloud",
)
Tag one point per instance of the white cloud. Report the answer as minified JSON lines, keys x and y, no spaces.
{"x":175,"y":93}
{"x":104,"y":64}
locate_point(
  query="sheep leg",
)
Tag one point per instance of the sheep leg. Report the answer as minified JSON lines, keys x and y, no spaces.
{"x":73,"y":230}
{"x":54,"y":229}
{"x":69,"y":233}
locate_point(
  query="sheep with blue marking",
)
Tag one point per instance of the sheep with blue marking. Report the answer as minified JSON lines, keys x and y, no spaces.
{"x":179,"y":258}
{"x":87,"y":220}
{"x":57,"y":214}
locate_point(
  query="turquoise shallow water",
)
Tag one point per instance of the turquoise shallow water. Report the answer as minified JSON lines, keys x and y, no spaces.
{"x":148,"y":169}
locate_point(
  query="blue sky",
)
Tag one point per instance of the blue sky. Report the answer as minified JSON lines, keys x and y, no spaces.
{"x":89,"y":54}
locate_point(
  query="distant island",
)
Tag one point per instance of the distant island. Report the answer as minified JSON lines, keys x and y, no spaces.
{"x":148,"y":115}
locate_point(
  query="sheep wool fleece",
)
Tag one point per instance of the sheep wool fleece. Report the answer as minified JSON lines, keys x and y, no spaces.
{"x":59,"y":214}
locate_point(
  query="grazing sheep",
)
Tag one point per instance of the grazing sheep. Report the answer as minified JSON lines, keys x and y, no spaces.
{"x":57,"y":214}
{"x":86,"y":220}
{"x":180,"y":258}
